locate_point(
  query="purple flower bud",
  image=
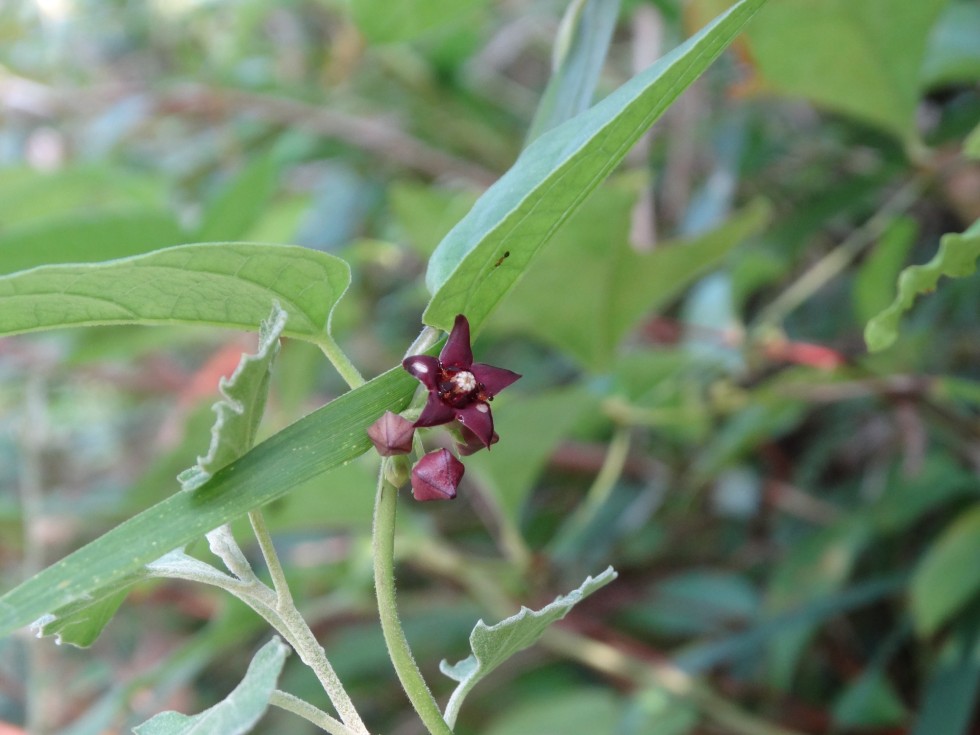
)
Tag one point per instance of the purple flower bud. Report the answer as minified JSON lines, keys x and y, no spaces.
{"x":436,"y":476}
{"x":391,"y":434}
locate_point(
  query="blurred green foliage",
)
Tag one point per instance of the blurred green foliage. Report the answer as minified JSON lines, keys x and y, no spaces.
{"x":794,"y":519}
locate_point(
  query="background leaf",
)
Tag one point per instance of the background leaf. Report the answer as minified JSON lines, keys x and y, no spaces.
{"x":240,"y":205}
{"x":239,"y":711}
{"x":554,"y":175}
{"x":494,"y":644}
{"x":956,"y":258}
{"x":229,"y":285}
{"x":841,"y":55}
{"x":579,"y":53}
{"x":588,"y":309}
{"x":947,"y":577}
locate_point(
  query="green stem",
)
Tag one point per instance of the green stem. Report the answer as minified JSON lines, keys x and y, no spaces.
{"x":284,"y":597}
{"x":408,"y":672}
{"x":338,"y":358}
{"x":290,"y":703}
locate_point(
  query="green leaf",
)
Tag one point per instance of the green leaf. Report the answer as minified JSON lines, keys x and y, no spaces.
{"x":951,"y":693}
{"x":953,"y":56}
{"x":948,"y":575}
{"x":228,"y":285}
{"x":327,"y":438}
{"x":579,"y":53}
{"x":587,"y":292}
{"x":80,"y":623}
{"x":531,"y":427}
{"x":580,"y":711}
{"x":859,"y":58}
{"x":815,"y":568}
{"x":241,"y":204}
{"x":971,"y":146}
{"x":239,"y":711}
{"x":554,"y":175}
{"x":386,"y":21}
{"x":956,"y":258}
{"x":238,"y":414}
{"x":872,"y":286}
{"x":492,"y":645}
{"x":86,"y":238}
{"x":870,"y":701}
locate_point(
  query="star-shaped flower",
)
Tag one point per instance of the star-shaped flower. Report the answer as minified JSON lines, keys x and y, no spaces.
{"x":459,"y":389}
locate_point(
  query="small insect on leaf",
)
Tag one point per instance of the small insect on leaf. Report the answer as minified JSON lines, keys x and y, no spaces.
{"x":502,"y":258}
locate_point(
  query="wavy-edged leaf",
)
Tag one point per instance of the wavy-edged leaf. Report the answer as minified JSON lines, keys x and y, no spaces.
{"x":327,"y":438}
{"x":956,"y":258}
{"x":80,"y":623}
{"x":494,"y":644}
{"x":483,"y":256}
{"x":239,"y":711}
{"x":948,"y":576}
{"x":238,"y":414}
{"x":224,"y":284}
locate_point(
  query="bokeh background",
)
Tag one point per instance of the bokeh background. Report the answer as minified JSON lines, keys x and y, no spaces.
{"x":795,"y":521}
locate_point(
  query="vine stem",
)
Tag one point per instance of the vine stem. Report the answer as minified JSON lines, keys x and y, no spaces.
{"x":385,"y":507}
{"x":299,"y":633}
{"x":339,"y":359}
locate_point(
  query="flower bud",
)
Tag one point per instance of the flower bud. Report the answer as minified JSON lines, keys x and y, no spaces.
{"x":391,"y":434}
{"x":436,"y":476}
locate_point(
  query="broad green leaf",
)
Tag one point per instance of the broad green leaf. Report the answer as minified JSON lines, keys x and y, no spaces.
{"x":239,"y":711}
{"x":951,"y":693}
{"x":577,"y":58}
{"x":492,"y":645}
{"x":815,"y":568}
{"x":238,"y":414}
{"x":872,"y":286}
{"x":426,"y":213}
{"x":482,"y":257}
{"x":228,"y":285}
{"x":956,"y":258}
{"x":859,"y":58}
{"x":386,"y":21}
{"x":953,"y":56}
{"x":241,"y":204}
{"x":655,"y":711}
{"x":86,"y":238}
{"x":327,"y":438}
{"x":29,"y":195}
{"x":80,"y":623}
{"x":948,"y":576}
{"x":587,"y":292}
{"x":870,"y":701}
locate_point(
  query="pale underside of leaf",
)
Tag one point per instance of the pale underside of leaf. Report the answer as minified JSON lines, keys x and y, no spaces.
{"x":494,"y":644}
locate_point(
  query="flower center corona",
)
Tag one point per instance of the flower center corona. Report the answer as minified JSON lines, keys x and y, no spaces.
{"x":463,"y":381}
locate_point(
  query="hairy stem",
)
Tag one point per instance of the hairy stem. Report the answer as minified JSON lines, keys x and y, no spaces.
{"x":290,"y":703}
{"x":384,"y":584}
{"x":338,"y":358}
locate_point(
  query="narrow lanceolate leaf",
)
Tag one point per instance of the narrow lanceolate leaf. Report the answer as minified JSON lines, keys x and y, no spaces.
{"x":482,"y":257}
{"x":957,"y":257}
{"x":239,"y":711}
{"x":225,"y":284}
{"x":327,"y":438}
{"x":238,"y":414}
{"x":951,"y":692}
{"x":580,"y":51}
{"x":494,"y":644}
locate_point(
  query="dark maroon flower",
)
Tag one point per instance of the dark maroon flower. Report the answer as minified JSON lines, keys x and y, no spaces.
{"x":436,"y":476}
{"x":391,"y":434}
{"x":459,"y":389}
{"x":469,"y":442}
